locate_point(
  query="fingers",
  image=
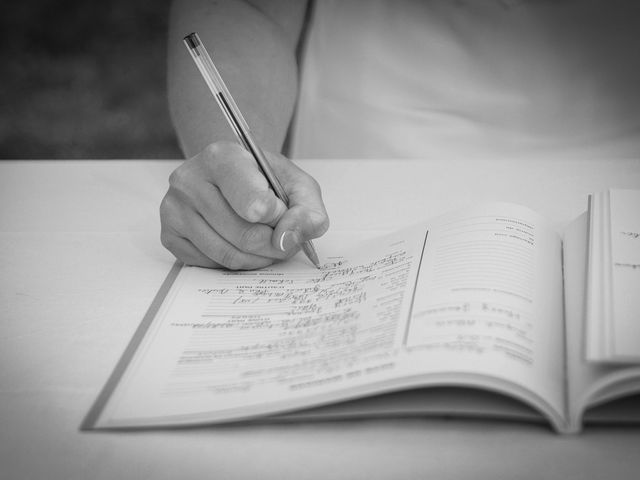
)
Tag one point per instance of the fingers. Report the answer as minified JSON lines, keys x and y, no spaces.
{"x":191,"y":239}
{"x":243,"y":185}
{"x":186,"y":252}
{"x":219,"y":215}
{"x":220,"y":212}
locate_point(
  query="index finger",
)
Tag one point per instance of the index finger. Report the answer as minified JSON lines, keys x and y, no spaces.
{"x":237,"y":175}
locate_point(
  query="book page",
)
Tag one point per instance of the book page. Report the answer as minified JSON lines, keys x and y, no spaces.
{"x":590,"y":383}
{"x":598,"y":309}
{"x":486,"y":312}
{"x":625,"y":264}
{"x":613,"y":279}
{"x":489,"y":302}
{"x":230,"y":345}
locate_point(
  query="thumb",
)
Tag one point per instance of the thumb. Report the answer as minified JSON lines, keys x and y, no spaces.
{"x":298,"y":225}
{"x":306,"y":218}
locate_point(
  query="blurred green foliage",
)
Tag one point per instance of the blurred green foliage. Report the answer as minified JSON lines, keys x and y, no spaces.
{"x":84,"y":80}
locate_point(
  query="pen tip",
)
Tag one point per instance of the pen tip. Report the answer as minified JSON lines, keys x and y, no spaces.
{"x":311,"y":254}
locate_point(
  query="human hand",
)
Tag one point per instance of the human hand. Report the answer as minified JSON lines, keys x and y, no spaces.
{"x":220,"y":212}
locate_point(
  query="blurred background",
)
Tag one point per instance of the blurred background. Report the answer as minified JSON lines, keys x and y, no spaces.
{"x":83,"y":79}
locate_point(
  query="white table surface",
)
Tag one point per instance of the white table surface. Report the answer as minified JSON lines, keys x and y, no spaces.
{"x":80,"y":261}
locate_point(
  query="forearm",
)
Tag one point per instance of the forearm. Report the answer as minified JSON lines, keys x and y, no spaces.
{"x":254,"y":49}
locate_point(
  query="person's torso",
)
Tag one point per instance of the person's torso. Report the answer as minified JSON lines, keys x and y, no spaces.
{"x":470,"y":78}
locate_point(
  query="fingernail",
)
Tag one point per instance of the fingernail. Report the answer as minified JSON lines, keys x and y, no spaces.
{"x":289,"y":240}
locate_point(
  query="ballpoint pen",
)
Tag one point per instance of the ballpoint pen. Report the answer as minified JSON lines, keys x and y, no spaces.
{"x":238,"y":124}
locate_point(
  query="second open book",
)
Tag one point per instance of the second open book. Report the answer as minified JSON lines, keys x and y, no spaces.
{"x":477,"y":312}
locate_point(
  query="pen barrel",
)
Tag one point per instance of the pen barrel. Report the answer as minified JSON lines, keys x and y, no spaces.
{"x":267,"y":171}
{"x":245,"y":137}
{"x":239,"y":125}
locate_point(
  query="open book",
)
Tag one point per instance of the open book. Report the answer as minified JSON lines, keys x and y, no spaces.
{"x":478,"y":312}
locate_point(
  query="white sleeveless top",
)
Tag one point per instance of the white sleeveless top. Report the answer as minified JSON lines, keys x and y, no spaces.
{"x":470,"y":78}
